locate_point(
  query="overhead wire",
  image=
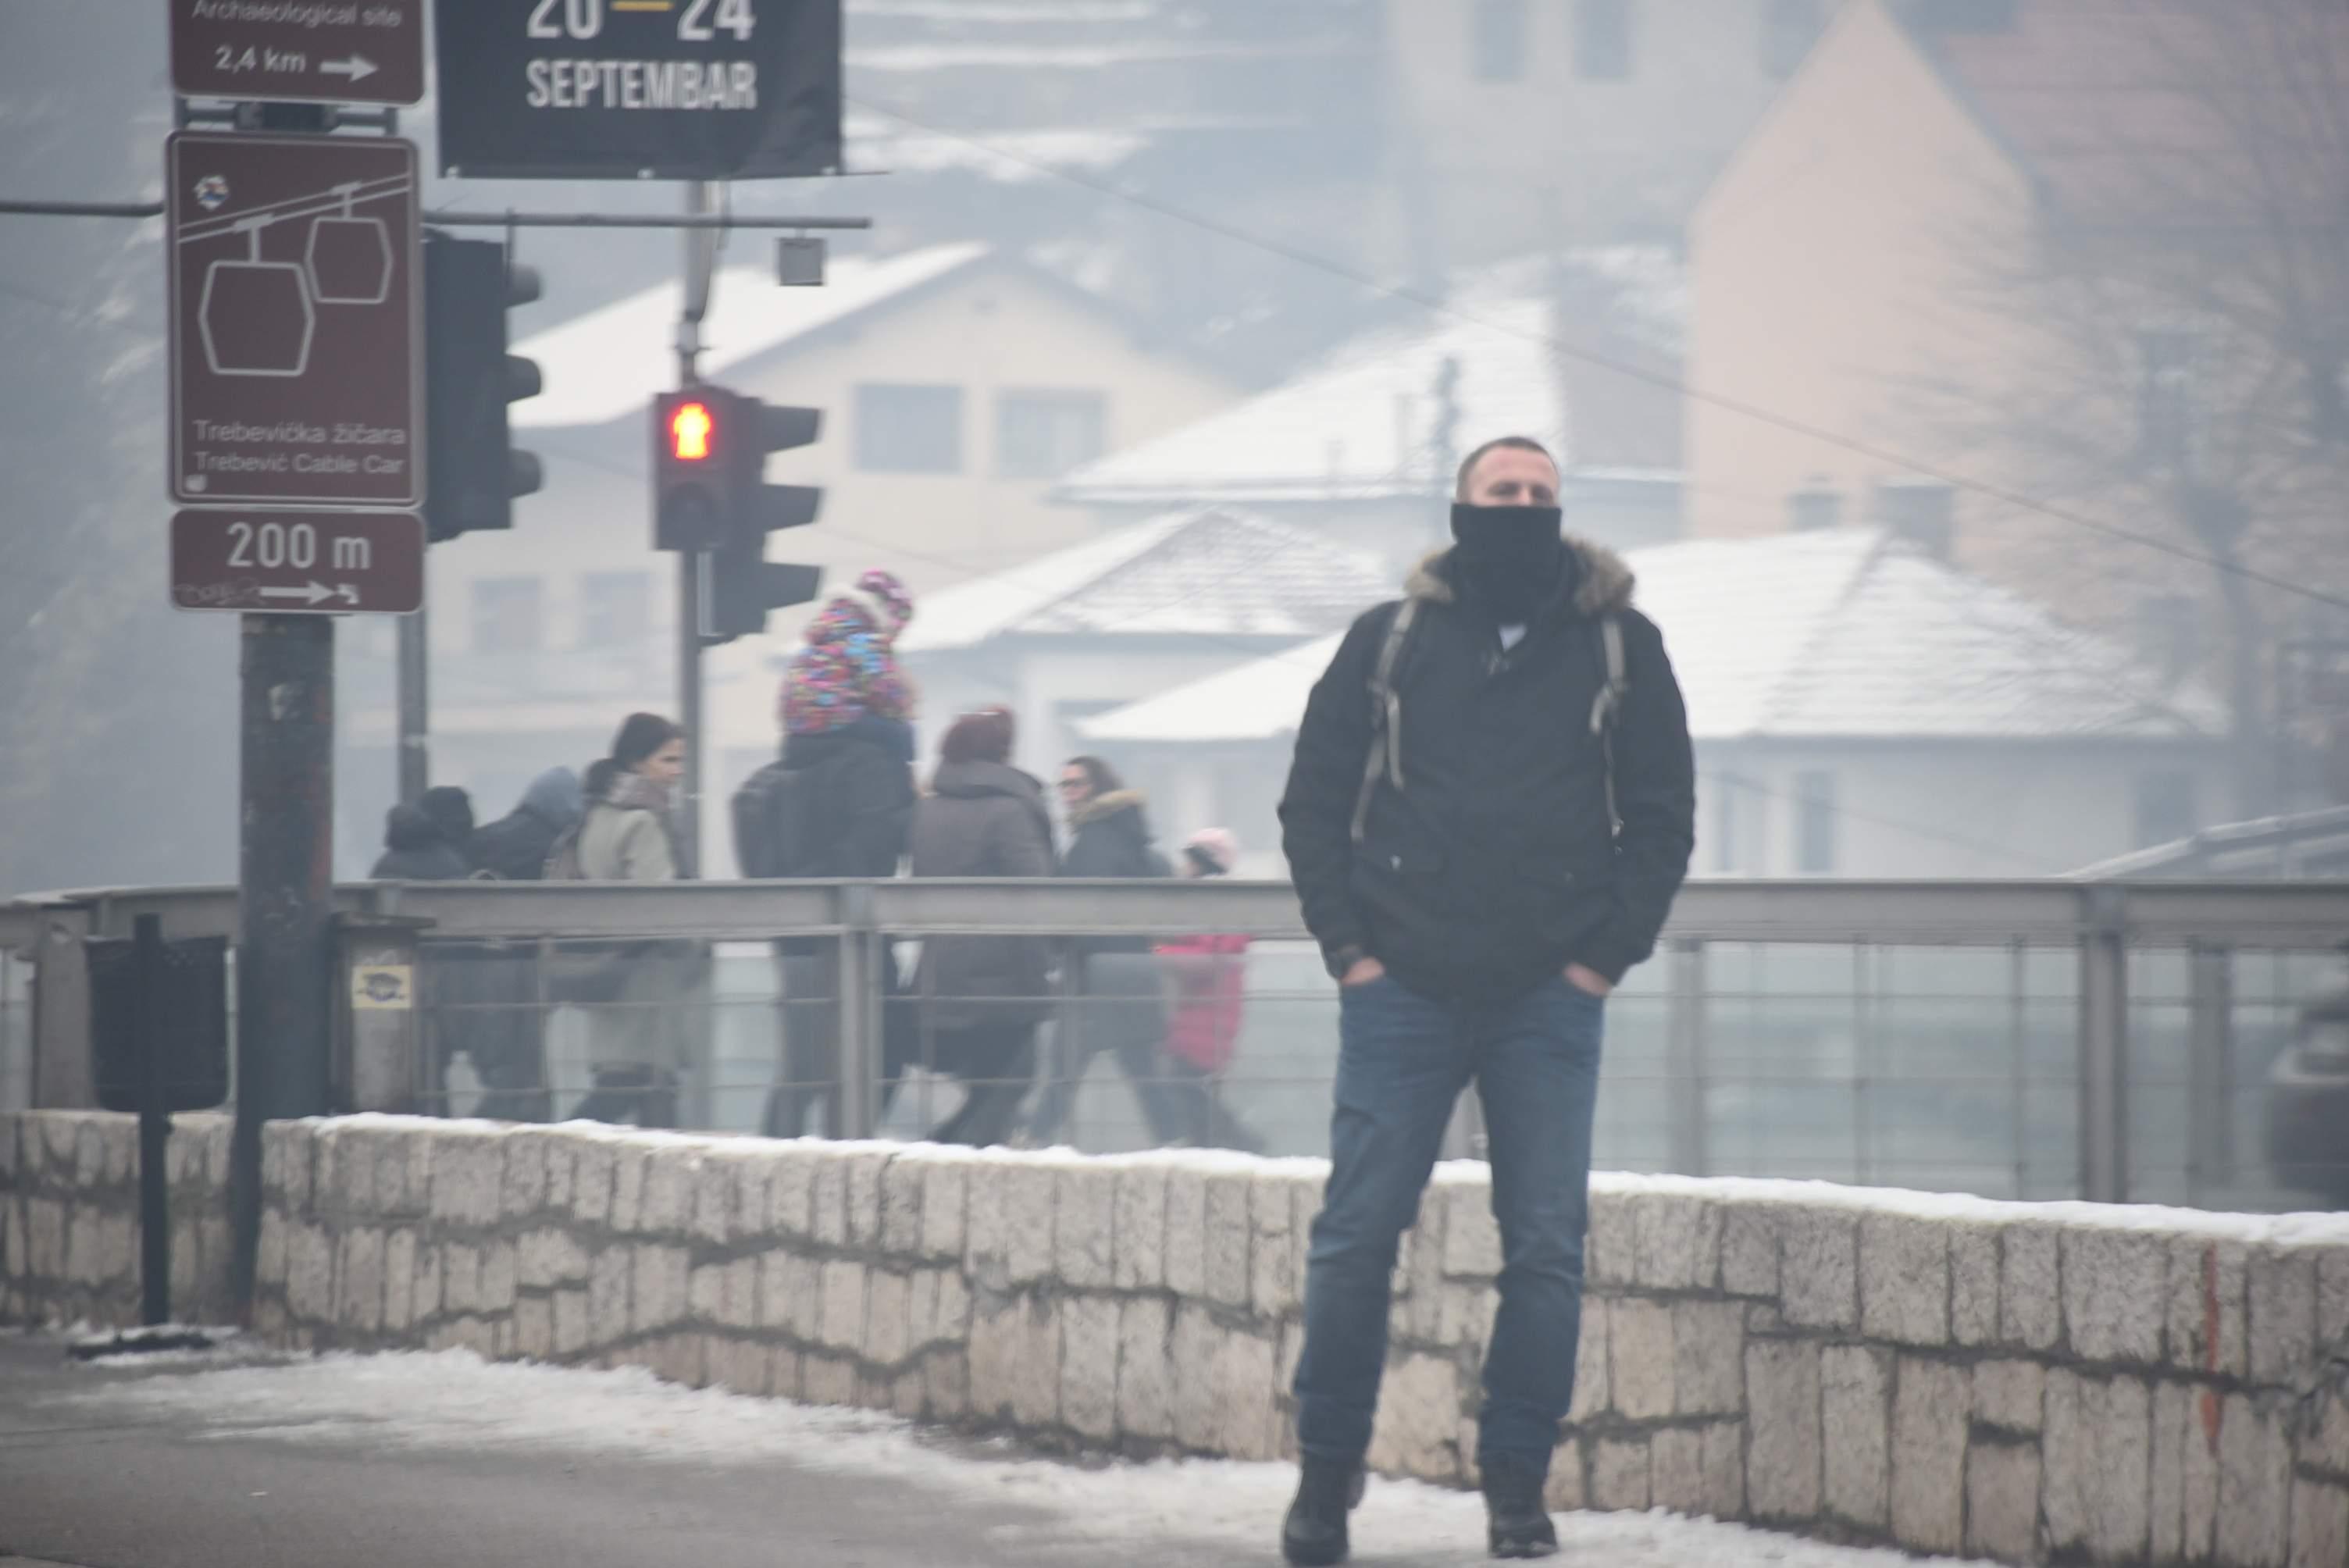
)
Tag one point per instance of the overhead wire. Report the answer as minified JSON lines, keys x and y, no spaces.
{"x":1872,"y":452}
{"x":1921,"y":831}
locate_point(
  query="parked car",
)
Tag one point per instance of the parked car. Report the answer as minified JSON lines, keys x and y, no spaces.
{"x":2308,"y":1103}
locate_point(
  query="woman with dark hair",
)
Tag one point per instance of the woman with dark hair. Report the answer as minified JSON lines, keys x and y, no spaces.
{"x":1120,"y":1005}
{"x":981,"y":997}
{"x":636,"y":1041}
{"x":1109,"y":826}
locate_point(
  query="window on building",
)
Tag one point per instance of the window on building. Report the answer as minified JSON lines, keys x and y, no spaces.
{"x":1966,"y":16}
{"x":1602,"y":40}
{"x":1042,"y":434}
{"x":908,"y":429}
{"x":1814,"y":823}
{"x":1497,"y":40}
{"x":1789,"y":29}
{"x":615,"y":609}
{"x":506,"y":615}
{"x":1740,"y":825}
{"x":2166,"y":397}
{"x":2165,"y":807}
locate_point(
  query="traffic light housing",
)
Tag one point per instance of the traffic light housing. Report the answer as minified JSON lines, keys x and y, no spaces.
{"x":710,"y":494}
{"x":743,"y":585}
{"x":709,"y":461}
{"x":472,"y":473}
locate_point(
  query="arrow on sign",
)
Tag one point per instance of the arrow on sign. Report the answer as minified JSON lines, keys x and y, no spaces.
{"x":359,"y":67}
{"x":313,"y":594}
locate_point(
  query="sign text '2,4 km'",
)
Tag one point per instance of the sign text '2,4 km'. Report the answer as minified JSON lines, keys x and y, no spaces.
{"x":299,"y":51}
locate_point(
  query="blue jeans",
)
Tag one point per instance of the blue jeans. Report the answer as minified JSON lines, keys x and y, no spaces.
{"x":1403,"y":1061}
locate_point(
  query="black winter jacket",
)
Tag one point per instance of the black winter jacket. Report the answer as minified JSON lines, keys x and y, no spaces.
{"x":1109,"y":836}
{"x":516,"y":846}
{"x":983,"y":819}
{"x":1495,"y":867}
{"x":859,"y":805}
{"x":416,"y":850}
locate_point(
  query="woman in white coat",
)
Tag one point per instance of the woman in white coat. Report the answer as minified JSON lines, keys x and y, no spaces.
{"x":637,"y":1042}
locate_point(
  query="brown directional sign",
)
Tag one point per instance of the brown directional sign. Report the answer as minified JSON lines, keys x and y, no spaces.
{"x":299,"y":51}
{"x":296,"y":355}
{"x":298,"y":562}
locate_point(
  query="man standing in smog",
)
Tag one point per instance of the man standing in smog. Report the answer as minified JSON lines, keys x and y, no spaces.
{"x":1491,"y":810}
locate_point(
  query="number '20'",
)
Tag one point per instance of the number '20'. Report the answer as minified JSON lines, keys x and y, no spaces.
{"x":584,"y":19}
{"x":273,"y":545}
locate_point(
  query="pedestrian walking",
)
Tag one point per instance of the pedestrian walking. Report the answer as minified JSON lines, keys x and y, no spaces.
{"x":452,"y":810}
{"x":1207,"y":974}
{"x":1118,"y":1003}
{"x":430,"y":841}
{"x":837,"y":802}
{"x":507,"y":1040}
{"x":1490,"y":811}
{"x":417,"y":847}
{"x":982,"y":997}
{"x":643,"y":993}
{"x":515,"y":847}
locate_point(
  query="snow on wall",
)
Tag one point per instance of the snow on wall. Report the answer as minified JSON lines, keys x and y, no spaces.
{"x":2027,"y":1383}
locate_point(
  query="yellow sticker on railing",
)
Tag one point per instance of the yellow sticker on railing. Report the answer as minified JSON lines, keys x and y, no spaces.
{"x":378,"y":988}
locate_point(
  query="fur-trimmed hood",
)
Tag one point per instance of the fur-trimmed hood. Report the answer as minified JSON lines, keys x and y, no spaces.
{"x":1602,"y":579}
{"x":1101,"y":808}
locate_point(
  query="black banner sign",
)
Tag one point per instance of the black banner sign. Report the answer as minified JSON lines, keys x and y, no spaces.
{"x":625,"y":90}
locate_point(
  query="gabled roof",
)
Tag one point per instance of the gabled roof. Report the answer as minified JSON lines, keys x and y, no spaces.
{"x":600,"y":366}
{"x":1362,"y":425}
{"x":1842,"y":634}
{"x":2159,"y":112}
{"x":1211,"y":573}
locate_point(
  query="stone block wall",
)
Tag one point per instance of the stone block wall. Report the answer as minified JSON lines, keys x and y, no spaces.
{"x":70,"y":1218}
{"x":2030,"y":1383}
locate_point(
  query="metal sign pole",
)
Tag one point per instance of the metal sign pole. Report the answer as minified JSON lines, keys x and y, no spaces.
{"x":692,"y":565}
{"x":414,"y":663}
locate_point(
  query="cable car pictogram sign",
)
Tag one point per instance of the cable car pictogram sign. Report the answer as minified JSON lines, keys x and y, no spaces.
{"x":296,"y":354}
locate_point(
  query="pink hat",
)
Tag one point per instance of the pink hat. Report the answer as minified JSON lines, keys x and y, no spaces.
{"x":1218,"y":845}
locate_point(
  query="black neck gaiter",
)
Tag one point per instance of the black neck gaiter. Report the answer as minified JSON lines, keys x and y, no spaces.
{"x":1506,"y":560}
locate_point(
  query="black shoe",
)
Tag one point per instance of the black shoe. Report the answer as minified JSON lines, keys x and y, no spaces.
{"x":1314,"y":1533}
{"x":1517,"y":1523}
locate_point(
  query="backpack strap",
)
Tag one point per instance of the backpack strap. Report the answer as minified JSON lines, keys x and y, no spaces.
{"x":1385,"y":755}
{"x":1609,"y":703}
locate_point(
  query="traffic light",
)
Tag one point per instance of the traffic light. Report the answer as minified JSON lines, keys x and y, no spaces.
{"x":692,"y":469}
{"x":472,"y":472}
{"x":709,"y":461}
{"x":743,"y":586}
{"x":710,"y":493}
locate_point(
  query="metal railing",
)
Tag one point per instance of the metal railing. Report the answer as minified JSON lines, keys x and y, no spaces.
{"x":2029,"y":1039}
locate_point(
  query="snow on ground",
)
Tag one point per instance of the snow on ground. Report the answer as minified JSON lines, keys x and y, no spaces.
{"x":455,"y":1402}
{"x":229,"y":1346}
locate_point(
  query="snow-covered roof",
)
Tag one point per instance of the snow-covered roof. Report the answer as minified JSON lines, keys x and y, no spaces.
{"x":1208,"y":574}
{"x":883,"y":145}
{"x":598,"y":367}
{"x":1362,"y":425}
{"x":1845,"y":633}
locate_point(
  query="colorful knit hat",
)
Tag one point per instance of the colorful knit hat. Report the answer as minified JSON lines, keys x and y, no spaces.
{"x":847,"y":668}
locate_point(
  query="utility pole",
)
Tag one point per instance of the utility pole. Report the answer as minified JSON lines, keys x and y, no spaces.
{"x":285,"y":869}
{"x":240,"y":203}
{"x":692,"y":565}
{"x":415,"y":703}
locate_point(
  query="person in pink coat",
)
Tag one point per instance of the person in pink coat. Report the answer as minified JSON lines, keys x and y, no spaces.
{"x":1208,"y":976}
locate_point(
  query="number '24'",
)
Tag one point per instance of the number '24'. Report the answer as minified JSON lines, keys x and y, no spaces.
{"x":584,"y":19}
